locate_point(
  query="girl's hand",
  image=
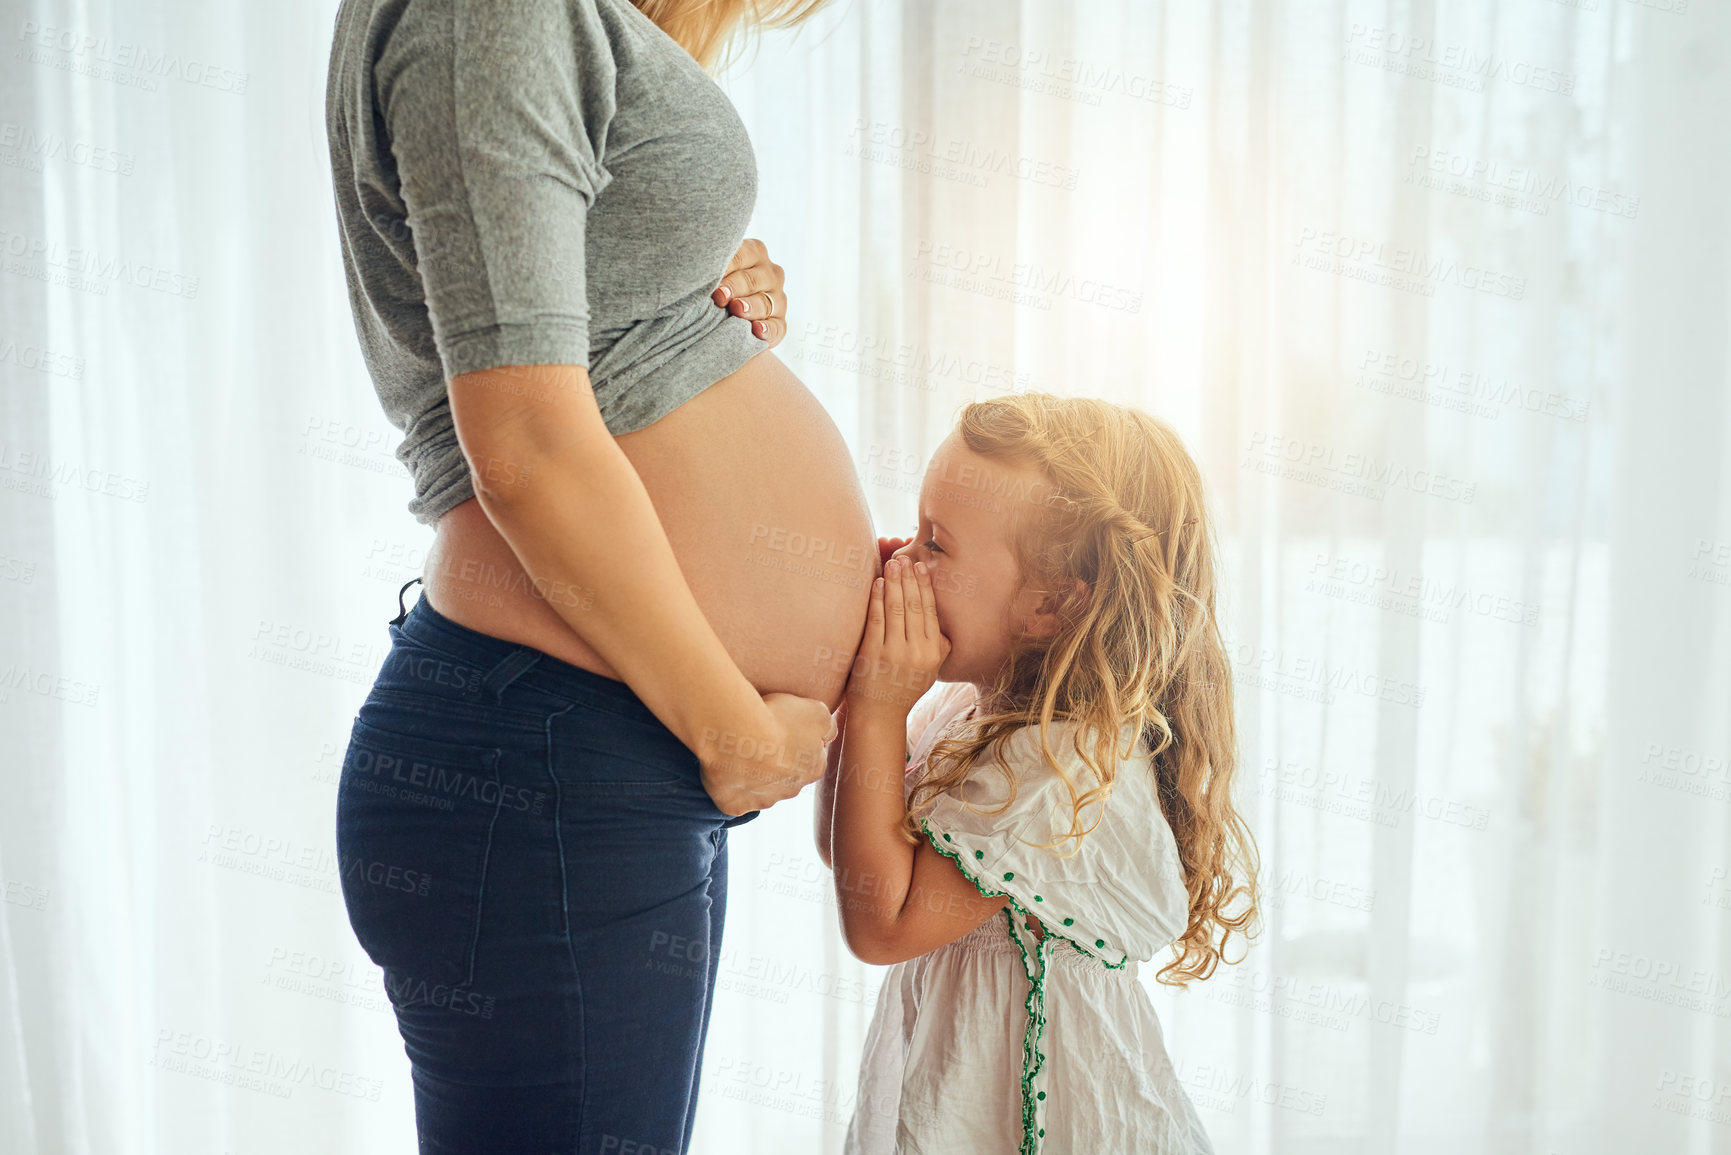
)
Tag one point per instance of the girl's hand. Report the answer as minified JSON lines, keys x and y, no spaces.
{"x":751,"y":287}
{"x":902,"y":647}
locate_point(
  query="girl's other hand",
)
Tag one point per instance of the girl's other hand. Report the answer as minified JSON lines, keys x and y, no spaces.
{"x":752,"y":287}
{"x":902,"y":648}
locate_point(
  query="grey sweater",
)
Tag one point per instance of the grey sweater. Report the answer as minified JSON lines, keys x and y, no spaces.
{"x":531,"y":182}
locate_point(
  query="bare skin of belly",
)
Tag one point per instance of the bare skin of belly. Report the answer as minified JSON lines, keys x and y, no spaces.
{"x":757,"y":492}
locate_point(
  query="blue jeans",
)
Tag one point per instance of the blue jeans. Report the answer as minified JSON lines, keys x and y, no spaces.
{"x":532,"y":858}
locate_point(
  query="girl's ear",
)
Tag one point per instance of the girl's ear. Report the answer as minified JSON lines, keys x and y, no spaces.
{"x":1052,"y":610}
{"x":1080,"y":592}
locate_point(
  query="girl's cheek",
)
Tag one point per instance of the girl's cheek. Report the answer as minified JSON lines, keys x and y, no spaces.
{"x":942,"y":580}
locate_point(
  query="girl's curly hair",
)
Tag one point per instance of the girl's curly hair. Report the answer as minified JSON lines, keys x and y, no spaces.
{"x":1124,"y":512}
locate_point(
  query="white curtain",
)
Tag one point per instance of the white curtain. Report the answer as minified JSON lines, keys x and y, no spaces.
{"x":1437,"y":294}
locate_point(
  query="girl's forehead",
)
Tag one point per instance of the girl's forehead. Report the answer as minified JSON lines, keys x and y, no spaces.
{"x":973,"y":496}
{"x":956,"y":466}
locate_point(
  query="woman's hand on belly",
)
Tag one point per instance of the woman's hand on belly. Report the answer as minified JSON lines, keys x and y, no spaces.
{"x":753,"y":288}
{"x":755,"y":773}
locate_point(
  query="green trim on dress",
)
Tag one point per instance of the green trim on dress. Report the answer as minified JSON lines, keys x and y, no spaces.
{"x":1033,"y":1059}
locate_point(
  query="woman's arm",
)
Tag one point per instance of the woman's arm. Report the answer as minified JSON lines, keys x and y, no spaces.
{"x":564,"y":496}
{"x":497,"y":118}
{"x":896,"y":900}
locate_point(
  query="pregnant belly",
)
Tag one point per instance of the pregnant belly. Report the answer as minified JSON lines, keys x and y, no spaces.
{"x":755,"y":488}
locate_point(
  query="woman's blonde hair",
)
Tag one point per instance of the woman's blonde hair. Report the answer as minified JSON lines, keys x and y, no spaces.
{"x":705,"y":28}
{"x":1122,"y":509}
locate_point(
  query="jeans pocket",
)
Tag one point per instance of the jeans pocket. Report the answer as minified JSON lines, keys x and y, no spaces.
{"x":600,"y":751}
{"x":415,"y":819}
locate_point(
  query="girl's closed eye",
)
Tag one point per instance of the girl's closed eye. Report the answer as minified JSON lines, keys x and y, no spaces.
{"x":933,"y":546}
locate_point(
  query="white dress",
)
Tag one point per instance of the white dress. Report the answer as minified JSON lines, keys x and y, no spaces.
{"x":953,"y":1065}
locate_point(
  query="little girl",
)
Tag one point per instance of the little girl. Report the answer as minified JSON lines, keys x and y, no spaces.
{"x":1062,"y":809}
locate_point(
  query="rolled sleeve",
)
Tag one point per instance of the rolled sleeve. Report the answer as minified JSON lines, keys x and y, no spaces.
{"x":497,"y":117}
{"x":1115,"y":895}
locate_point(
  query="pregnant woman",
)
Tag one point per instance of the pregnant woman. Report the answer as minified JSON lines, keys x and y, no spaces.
{"x":651,"y":561}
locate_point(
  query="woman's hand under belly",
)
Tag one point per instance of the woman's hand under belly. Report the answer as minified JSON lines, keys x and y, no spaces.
{"x":755,"y":488}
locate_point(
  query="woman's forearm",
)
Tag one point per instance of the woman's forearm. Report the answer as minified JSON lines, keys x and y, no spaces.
{"x":588,"y":520}
{"x":873,"y":863}
{"x":562,"y":493}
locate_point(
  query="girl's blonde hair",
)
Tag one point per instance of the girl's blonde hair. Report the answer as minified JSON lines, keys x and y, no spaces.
{"x":705,"y":28}
{"x":1122,"y":510}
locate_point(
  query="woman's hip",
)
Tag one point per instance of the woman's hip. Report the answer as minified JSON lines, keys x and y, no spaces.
{"x":486,"y":787}
{"x":532,"y":859}
{"x":457,"y":714}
